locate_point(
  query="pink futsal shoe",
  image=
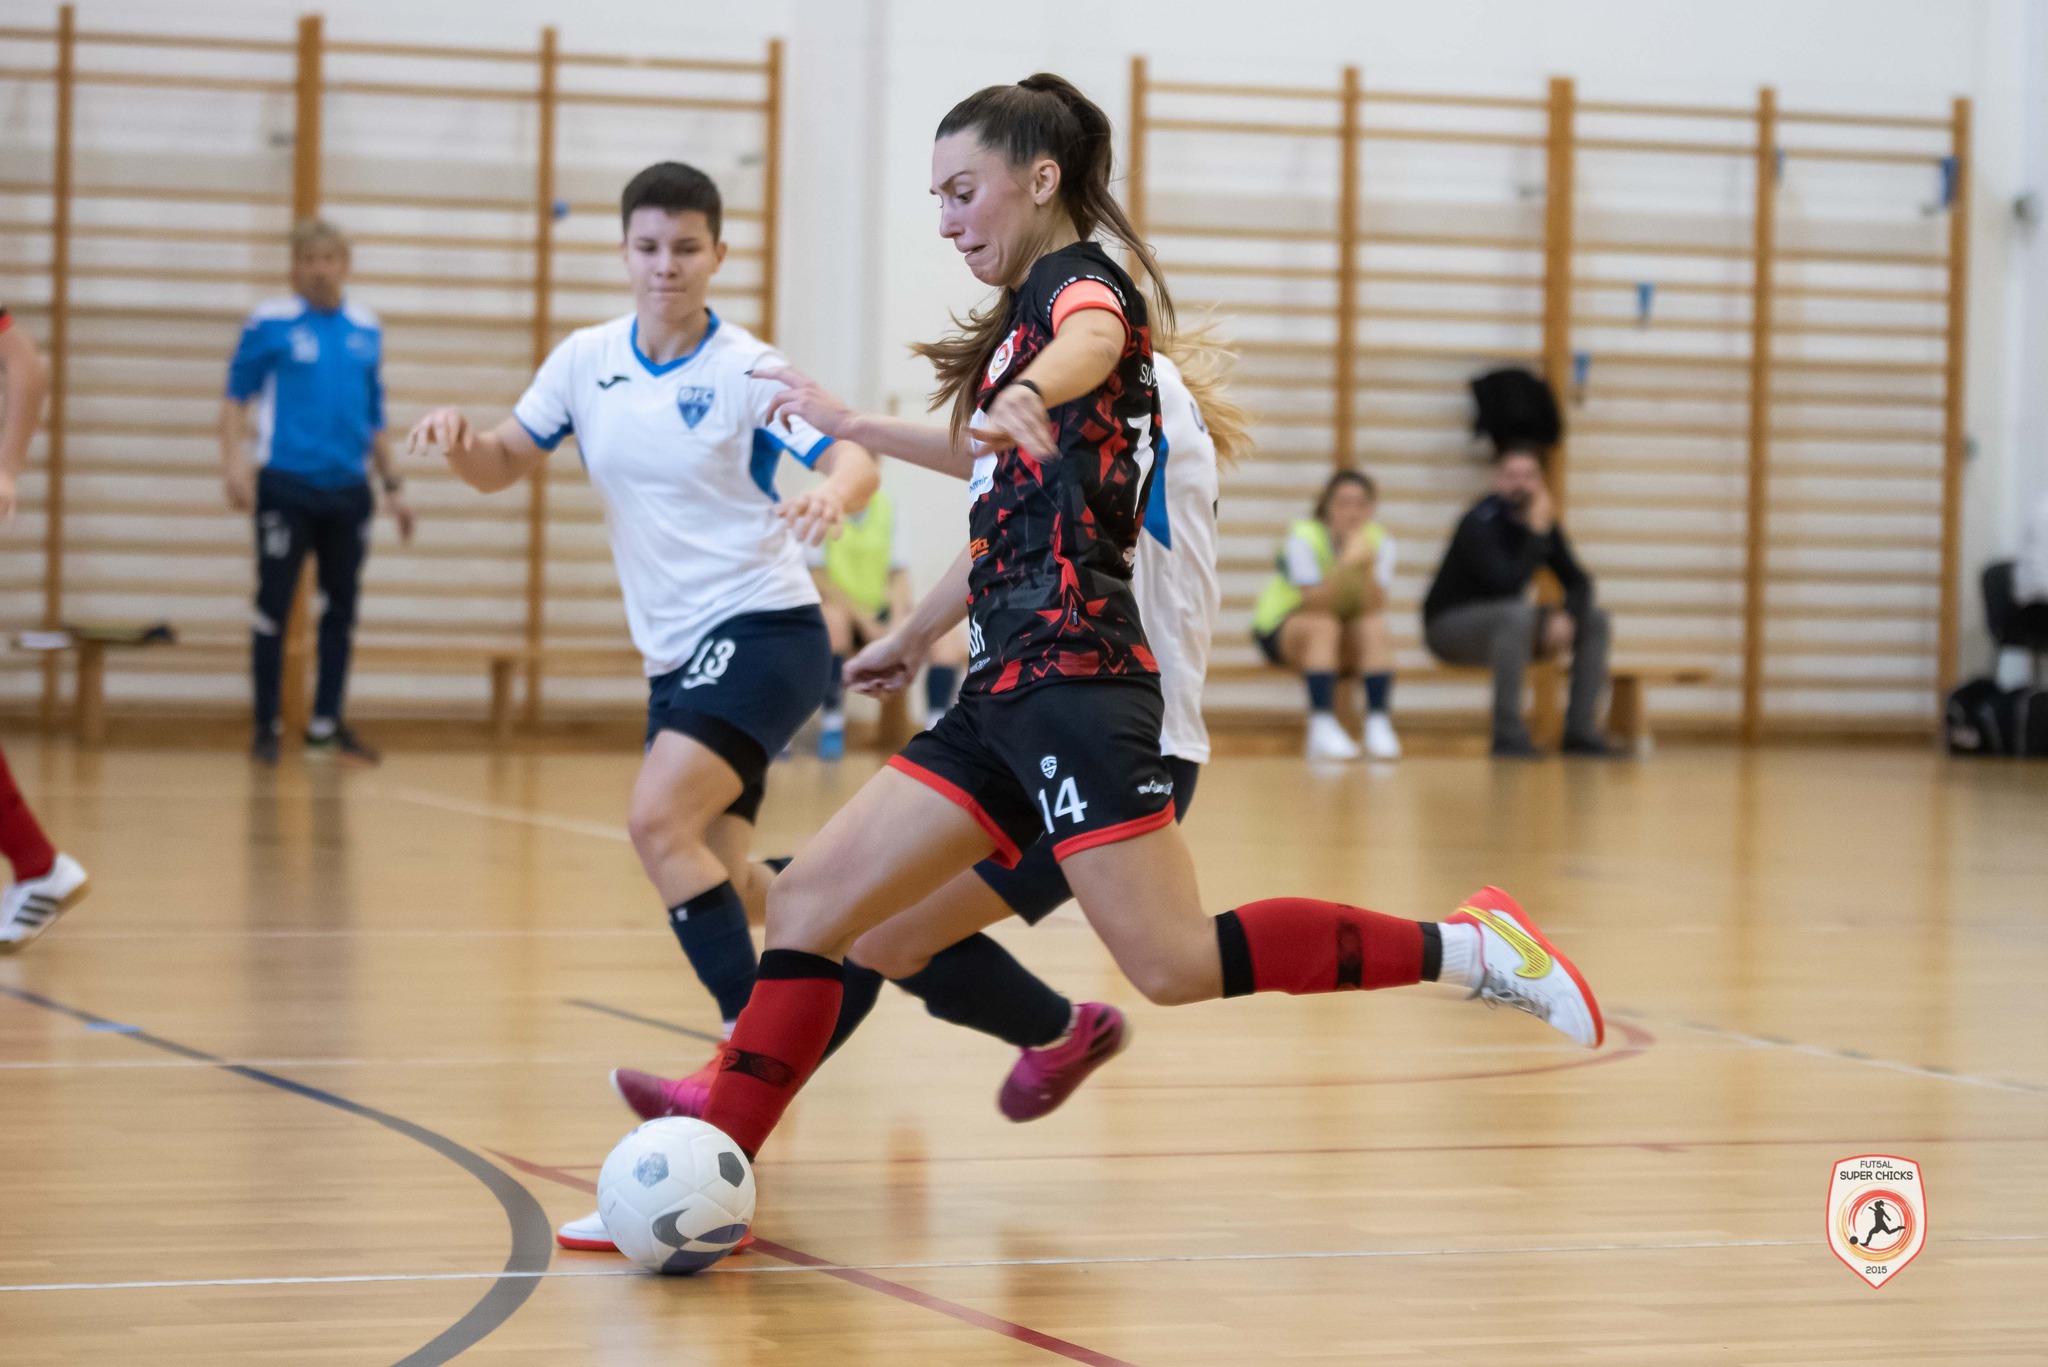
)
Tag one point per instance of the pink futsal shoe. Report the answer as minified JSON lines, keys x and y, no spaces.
{"x":1520,"y":968}
{"x":1043,"y":1078}
{"x":653,"y":1097}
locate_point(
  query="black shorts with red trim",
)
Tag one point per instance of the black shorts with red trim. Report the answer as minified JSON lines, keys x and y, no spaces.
{"x":1076,"y":763}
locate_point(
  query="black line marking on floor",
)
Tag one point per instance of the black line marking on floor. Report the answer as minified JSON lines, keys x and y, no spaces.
{"x":532,"y":1234}
{"x":638,"y":1019}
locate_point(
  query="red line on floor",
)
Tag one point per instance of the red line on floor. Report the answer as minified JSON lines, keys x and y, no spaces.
{"x":910,"y":1295}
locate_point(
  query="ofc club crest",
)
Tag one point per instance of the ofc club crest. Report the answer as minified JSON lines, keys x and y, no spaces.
{"x":1877,"y":1214}
{"x":694,"y":401}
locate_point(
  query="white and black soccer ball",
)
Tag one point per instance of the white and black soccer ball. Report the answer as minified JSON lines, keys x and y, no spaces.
{"x":676,"y":1195}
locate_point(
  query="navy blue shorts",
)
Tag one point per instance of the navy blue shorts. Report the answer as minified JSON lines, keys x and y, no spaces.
{"x":1075,"y":762}
{"x":747,"y":689}
{"x":1037,"y":886}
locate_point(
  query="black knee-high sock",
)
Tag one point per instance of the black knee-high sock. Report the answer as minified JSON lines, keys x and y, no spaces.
{"x":977,"y":983}
{"x":712,"y":929}
{"x":860,"y":987}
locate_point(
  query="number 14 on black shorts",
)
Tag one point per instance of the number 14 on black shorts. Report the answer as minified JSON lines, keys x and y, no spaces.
{"x":1076,"y":762}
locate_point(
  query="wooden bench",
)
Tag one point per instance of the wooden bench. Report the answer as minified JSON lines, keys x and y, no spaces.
{"x":90,"y":645}
{"x":1628,"y":712}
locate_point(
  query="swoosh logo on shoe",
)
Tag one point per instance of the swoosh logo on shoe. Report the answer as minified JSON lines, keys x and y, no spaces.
{"x":1536,"y":959}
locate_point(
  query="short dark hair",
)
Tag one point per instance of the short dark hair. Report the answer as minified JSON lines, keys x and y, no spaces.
{"x":1524,"y":447}
{"x":673,"y":188}
{"x":1338,"y":481}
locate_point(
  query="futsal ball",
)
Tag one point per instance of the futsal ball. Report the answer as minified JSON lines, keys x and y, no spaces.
{"x":676,"y":1195}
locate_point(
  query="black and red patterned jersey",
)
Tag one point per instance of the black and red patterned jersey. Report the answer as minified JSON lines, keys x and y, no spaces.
{"x":1053,"y":541}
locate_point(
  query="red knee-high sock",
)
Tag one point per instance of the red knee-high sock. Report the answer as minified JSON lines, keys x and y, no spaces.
{"x":776,"y":1044}
{"x":21,"y":837}
{"x":1301,"y":946}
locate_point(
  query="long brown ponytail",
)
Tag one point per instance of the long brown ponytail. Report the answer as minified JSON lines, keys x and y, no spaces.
{"x":1204,"y":361}
{"x":1041,"y":115}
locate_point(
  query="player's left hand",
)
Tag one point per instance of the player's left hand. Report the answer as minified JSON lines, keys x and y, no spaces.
{"x":1017,"y":418}
{"x":885,"y":666}
{"x":7,"y":501}
{"x":813,"y":517}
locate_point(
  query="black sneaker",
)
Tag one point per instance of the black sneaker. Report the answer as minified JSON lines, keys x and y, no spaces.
{"x":343,"y":742}
{"x":1515,"y":747}
{"x":263,"y":749}
{"x":1595,"y":747}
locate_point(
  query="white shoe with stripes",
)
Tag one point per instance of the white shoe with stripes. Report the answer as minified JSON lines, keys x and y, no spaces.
{"x":32,"y":905}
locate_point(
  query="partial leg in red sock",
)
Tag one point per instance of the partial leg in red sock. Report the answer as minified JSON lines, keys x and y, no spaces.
{"x":21,"y":836}
{"x":776,"y":1044}
{"x":1301,"y":946}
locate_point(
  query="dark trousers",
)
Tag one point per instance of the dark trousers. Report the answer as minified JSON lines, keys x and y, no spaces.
{"x":1501,"y":633}
{"x":292,"y":518}
{"x":2011,"y":622}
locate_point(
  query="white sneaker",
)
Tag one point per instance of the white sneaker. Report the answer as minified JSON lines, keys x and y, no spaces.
{"x":33,"y":905}
{"x":1380,"y":740}
{"x":587,"y":1233}
{"x":1521,"y":969}
{"x":1327,"y":738}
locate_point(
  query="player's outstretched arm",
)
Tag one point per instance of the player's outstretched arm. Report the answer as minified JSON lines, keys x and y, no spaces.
{"x":1074,"y":363}
{"x":851,"y":477}
{"x":25,"y":381}
{"x":487,"y":461}
{"x":892,"y":662}
{"x":916,"y":443}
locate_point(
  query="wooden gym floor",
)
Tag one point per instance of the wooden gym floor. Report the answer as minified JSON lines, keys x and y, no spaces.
{"x":311,"y":1074}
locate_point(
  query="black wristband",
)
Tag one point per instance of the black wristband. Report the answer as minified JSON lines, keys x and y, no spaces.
{"x":1027,"y":384}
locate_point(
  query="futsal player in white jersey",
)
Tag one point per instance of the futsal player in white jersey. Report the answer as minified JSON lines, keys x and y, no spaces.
{"x":672,"y":422}
{"x":935,"y":950}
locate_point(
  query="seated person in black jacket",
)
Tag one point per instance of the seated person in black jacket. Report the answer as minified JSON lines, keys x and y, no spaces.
{"x":1478,"y":613}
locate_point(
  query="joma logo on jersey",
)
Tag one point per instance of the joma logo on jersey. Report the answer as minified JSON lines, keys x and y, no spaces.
{"x":693,"y":401}
{"x":1535,"y":958}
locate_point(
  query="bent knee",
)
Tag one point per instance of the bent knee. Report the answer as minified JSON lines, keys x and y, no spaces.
{"x":803,"y":914}
{"x":1164,"y":983}
{"x":893,"y":961}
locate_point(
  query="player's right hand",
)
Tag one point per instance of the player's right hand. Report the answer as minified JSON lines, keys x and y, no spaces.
{"x":239,"y":480}
{"x":887,"y":666}
{"x":445,"y":428}
{"x":803,"y":397}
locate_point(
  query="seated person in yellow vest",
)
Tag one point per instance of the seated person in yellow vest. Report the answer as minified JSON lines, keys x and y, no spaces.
{"x":1478,"y":612}
{"x":1324,"y":611}
{"x":864,"y":579}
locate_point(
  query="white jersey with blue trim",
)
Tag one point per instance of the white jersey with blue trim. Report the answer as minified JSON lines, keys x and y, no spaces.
{"x":1174,"y":577}
{"x":686,"y":467}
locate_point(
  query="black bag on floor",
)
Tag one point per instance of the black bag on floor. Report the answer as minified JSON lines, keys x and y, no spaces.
{"x":1981,"y":719}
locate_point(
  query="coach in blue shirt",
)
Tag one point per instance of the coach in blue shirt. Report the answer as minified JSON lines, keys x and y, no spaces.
{"x":308,"y":365}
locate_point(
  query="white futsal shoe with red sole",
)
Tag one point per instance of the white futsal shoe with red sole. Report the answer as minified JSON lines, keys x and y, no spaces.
{"x":1520,"y":968}
{"x":590,"y":1236}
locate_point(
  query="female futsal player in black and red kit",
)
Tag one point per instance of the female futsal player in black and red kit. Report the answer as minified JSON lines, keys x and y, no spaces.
{"x":1057,"y":732}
